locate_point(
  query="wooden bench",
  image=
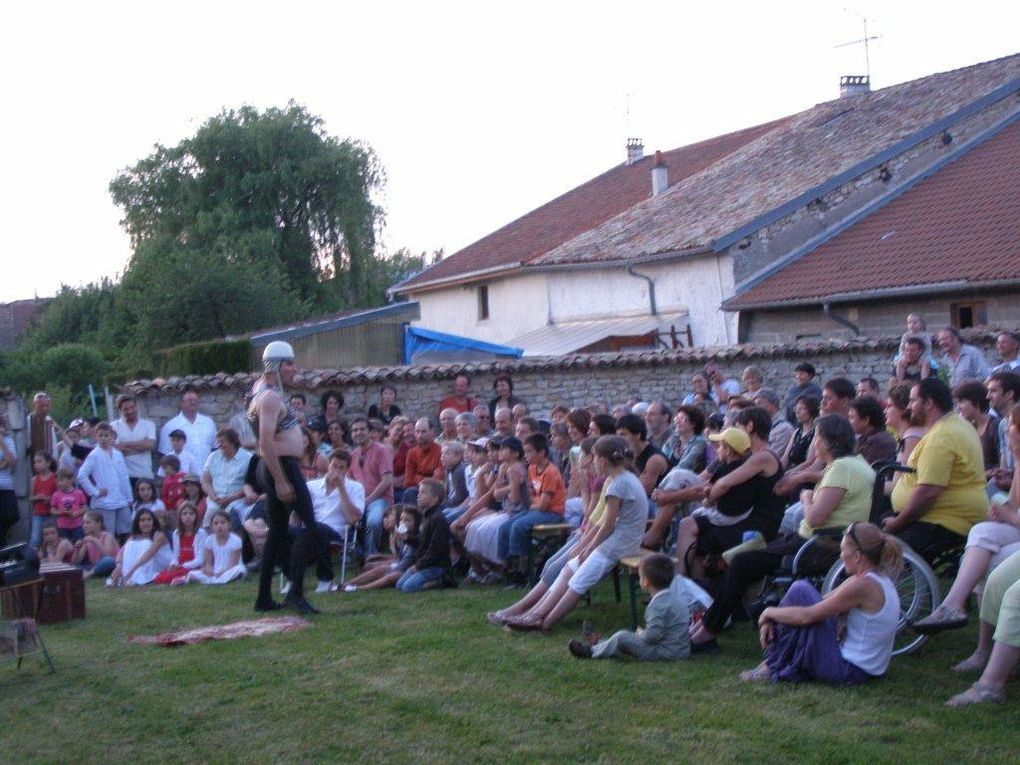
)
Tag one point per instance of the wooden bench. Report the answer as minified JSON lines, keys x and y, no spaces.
{"x":546,"y":540}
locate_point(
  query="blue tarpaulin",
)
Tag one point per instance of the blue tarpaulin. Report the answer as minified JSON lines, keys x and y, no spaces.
{"x":424,"y":346}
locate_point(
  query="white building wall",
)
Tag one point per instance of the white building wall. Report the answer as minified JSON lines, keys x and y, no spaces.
{"x":517,"y":305}
{"x":521,"y":304}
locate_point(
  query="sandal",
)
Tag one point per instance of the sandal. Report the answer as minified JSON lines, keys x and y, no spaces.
{"x":976,"y":694}
{"x":941,"y":619}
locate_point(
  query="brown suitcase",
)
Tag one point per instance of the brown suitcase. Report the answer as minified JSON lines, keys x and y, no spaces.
{"x":63,"y":596}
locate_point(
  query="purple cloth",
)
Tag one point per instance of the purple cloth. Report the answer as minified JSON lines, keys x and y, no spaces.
{"x":799,"y":654}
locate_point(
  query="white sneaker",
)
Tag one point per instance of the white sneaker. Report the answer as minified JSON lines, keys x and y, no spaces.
{"x":323,"y":586}
{"x":109,"y":582}
{"x":285,"y":590}
{"x":350,"y":588}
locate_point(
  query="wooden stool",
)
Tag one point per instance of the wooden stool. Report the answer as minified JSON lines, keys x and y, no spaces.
{"x":630,"y":564}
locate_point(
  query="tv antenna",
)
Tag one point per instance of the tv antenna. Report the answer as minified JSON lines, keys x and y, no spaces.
{"x":866,"y":39}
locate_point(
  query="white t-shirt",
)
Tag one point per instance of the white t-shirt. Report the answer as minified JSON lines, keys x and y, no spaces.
{"x":201,"y":435}
{"x":327,"y":506}
{"x":221,"y":554}
{"x":139,"y":465}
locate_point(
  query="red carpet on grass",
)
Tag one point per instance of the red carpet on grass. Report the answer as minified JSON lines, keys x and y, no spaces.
{"x":249,"y":628}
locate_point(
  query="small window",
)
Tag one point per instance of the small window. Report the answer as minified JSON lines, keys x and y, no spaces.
{"x":483,"y":302}
{"x":965,"y":315}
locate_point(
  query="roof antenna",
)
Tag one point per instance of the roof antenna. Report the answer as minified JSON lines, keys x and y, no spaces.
{"x":865,"y":40}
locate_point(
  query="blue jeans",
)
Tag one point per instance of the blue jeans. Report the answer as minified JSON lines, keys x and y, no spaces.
{"x":373,"y":524}
{"x":104,"y":566}
{"x":35,"y":536}
{"x":72,"y":535}
{"x":453,"y":513}
{"x":520,"y":529}
{"x":415,"y":581}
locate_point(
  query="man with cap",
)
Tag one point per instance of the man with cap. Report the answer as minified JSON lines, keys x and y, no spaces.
{"x":279,"y":475}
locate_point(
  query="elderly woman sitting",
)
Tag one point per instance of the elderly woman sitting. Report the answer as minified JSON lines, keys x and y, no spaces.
{"x":842,"y":496}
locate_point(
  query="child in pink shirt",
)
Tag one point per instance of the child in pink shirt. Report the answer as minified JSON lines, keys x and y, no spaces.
{"x":68,"y":506}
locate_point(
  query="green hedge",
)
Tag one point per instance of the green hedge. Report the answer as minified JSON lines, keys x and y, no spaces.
{"x":204,"y":358}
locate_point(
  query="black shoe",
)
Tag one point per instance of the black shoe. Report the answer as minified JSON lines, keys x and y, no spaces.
{"x":580,"y":649}
{"x":300,"y":605}
{"x":272,"y":605}
{"x":709,"y":647}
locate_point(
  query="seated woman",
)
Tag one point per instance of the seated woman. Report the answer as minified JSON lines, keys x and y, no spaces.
{"x":988,"y":544}
{"x":579,"y":539}
{"x":314,"y":463}
{"x":1000,"y":625}
{"x":842,"y":496}
{"x":688,"y":454}
{"x":617,"y":536}
{"x":900,"y":419}
{"x":386,"y":409}
{"x":144,"y":555}
{"x":96,"y":554}
{"x":386,"y":572}
{"x":740,"y":496}
{"x":805,"y":409}
{"x":801,"y":635}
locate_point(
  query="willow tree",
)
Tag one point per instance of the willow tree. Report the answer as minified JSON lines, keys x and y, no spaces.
{"x":258,"y":216}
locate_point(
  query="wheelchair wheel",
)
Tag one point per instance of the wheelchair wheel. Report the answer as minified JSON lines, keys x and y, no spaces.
{"x":919,"y":595}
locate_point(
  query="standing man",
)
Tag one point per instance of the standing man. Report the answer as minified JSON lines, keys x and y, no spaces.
{"x":199,"y":429}
{"x":279,"y":475}
{"x":447,"y":426}
{"x":1007,"y":345}
{"x":460,"y":399}
{"x":371,"y":465}
{"x":42,"y":433}
{"x":136,"y":438}
{"x":965,"y":362}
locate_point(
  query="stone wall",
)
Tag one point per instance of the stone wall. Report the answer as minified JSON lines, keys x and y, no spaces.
{"x":575,"y":380}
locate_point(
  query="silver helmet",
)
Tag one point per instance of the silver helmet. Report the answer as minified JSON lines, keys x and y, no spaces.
{"x":275,"y":354}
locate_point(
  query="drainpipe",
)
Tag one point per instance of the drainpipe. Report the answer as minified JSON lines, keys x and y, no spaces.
{"x":651,"y":287}
{"x":827,"y":310}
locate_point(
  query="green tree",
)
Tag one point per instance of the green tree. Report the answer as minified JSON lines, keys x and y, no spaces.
{"x":267,"y":190}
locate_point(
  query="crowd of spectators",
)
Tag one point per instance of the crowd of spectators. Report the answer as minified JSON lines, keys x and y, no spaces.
{"x":455,"y":497}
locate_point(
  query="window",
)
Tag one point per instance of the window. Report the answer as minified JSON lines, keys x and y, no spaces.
{"x":483,"y":302}
{"x":964,"y":315}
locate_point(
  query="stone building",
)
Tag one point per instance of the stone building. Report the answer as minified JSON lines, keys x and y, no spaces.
{"x":673,"y":239}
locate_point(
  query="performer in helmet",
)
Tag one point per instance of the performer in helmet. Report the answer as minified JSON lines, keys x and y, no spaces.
{"x":279,"y":475}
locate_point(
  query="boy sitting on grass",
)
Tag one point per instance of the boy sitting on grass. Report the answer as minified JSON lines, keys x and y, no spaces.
{"x":665,"y":636}
{"x":432,"y":559}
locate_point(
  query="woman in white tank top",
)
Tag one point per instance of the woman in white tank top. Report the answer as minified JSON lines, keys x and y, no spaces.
{"x":802,"y":636}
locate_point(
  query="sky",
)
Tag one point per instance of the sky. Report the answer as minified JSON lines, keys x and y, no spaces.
{"x":478,"y":112}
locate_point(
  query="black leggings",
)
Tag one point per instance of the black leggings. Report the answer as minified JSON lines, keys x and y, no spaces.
{"x":278,"y":541}
{"x":747,"y":568}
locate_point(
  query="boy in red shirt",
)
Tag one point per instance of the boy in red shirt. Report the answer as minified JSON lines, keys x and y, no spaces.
{"x":173,"y":487}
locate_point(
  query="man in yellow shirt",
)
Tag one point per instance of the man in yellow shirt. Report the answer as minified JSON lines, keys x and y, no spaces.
{"x":936,"y":506}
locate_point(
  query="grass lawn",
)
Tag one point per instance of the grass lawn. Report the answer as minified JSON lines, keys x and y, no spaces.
{"x":385,"y":677}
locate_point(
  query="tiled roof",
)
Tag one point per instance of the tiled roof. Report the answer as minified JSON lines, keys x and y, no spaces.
{"x":582,"y":208}
{"x":316,"y":378}
{"x":790,"y":164}
{"x":957,"y":227}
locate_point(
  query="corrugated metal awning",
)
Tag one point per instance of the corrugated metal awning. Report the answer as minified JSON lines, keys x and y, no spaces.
{"x":570,"y":336}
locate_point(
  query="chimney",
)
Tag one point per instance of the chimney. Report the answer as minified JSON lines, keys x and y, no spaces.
{"x":635,"y":150}
{"x":660,"y":179}
{"x":854,"y":85}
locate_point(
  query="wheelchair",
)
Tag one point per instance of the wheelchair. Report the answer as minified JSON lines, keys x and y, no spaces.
{"x":917,"y":584}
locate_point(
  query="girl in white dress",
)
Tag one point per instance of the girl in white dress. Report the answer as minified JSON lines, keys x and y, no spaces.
{"x":221,"y":555}
{"x":144,"y":555}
